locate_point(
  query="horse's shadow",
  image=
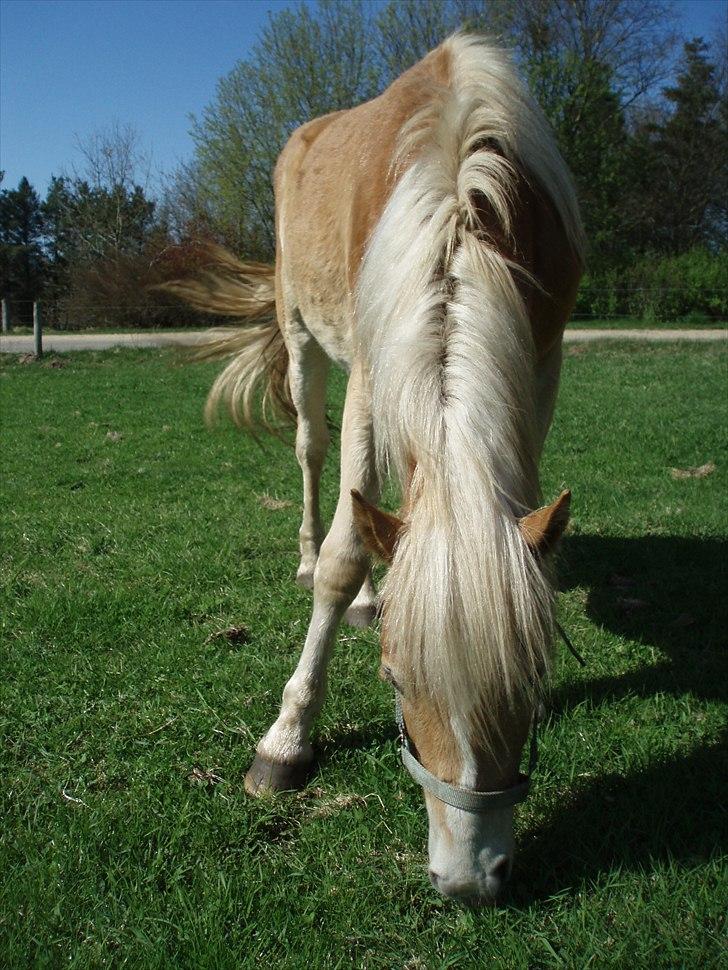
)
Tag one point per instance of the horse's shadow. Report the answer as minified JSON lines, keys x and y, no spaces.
{"x":670,"y":593}
{"x":672,"y":811}
{"x":665,"y":591}
{"x":339,"y":739}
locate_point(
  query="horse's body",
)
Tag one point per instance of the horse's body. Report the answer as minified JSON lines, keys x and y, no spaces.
{"x":429,"y":242}
{"x":340,"y":169}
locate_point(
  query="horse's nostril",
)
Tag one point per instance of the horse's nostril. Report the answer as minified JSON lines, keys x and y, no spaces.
{"x":499,"y":872}
{"x":434,"y":878}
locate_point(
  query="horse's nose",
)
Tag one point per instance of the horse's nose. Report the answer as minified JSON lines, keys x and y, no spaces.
{"x":482,"y":890}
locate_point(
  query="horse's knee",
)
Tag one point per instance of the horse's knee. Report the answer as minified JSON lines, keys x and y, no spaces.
{"x":339,"y":577}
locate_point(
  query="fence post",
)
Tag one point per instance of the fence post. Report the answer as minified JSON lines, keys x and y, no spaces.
{"x":6,"y":315}
{"x":37,"y":329}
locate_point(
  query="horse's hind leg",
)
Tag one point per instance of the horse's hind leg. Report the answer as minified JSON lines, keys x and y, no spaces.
{"x":307,"y":371}
{"x":284,"y":755}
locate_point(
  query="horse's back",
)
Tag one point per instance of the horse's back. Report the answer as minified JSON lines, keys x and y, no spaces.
{"x":332,"y":182}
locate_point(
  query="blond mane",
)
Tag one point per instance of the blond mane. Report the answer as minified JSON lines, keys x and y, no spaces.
{"x":450,"y":356}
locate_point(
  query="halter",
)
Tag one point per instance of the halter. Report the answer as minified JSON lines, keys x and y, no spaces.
{"x":466,"y":799}
{"x":470,"y":799}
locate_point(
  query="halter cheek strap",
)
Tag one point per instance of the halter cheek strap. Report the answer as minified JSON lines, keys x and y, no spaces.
{"x":466,"y":799}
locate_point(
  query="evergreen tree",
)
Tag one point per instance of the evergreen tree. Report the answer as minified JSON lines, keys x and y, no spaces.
{"x":679,"y":162}
{"x":58,"y":231}
{"x":22,"y":261}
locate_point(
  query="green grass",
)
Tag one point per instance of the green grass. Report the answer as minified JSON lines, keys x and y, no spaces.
{"x":121,"y":557}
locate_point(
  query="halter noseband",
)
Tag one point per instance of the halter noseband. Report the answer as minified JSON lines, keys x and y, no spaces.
{"x":466,"y":799}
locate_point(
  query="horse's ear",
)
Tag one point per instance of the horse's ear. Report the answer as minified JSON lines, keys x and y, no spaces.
{"x":378,"y":530}
{"x":543,"y":528}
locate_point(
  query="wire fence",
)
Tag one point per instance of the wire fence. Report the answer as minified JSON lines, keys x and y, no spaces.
{"x":20,"y":315}
{"x":637,"y":304}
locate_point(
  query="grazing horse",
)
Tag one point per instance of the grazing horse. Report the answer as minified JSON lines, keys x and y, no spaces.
{"x":429,"y":242}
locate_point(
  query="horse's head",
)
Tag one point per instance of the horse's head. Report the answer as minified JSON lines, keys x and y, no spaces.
{"x":470,"y":848}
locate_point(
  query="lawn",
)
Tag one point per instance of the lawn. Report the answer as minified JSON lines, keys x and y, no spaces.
{"x":132,"y":537}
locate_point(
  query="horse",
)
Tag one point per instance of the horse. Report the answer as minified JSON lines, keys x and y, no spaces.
{"x":429,"y":242}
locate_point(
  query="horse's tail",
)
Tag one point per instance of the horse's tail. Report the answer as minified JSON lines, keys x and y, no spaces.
{"x":445,"y":333}
{"x":258,"y":367}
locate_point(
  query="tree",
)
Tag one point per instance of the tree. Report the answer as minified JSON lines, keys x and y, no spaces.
{"x":187,"y":206}
{"x":102,"y":209}
{"x":635,"y":42}
{"x":589,"y":63}
{"x":113,"y":157}
{"x":102,"y":222}
{"x":102,"y":232}
{"x":593,"y":65}
{"x":678,"y":161}
{"x":406,"y":30}
{"x":22,"y":261}
{"x":306,"y":63}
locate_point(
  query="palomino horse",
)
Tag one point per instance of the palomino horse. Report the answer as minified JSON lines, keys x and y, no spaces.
{"x":428,"y":242}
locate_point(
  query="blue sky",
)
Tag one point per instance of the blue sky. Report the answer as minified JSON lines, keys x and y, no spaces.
{"x":68,"y":67}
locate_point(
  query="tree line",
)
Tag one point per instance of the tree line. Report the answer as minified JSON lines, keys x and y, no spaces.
{"x":640,"y":114}
{"x":94,"y":247}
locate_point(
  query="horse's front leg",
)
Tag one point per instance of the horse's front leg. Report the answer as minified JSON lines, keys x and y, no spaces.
{"x":284,"y":755}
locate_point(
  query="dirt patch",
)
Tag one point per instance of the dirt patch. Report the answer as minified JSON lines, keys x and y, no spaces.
{"x":232,"y":634}
{"x":700,"y":472}
{"x":273,"y":504}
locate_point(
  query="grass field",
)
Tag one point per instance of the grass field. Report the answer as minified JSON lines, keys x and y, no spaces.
{"x":131,"y":537}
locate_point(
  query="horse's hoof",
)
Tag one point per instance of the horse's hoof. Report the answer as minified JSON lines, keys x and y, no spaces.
{"x":361,"y":614}
{"x":267,"y":776}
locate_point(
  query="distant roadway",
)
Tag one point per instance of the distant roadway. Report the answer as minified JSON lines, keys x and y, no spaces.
{"x":23,"y":344}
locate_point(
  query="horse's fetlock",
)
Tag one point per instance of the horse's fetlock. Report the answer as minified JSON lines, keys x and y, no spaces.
{"x":310,"y":537}
{"x":286,"y":741}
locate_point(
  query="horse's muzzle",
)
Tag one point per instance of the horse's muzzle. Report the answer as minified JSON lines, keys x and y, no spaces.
{"x":475,"y":893}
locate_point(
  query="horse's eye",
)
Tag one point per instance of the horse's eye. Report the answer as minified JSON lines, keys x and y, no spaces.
{"x":385,"y":673}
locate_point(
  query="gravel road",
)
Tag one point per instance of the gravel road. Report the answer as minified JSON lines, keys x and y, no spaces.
{"x":12,"y":344}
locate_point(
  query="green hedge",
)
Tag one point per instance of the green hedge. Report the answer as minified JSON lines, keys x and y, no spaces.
{"x":692,"y":286}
